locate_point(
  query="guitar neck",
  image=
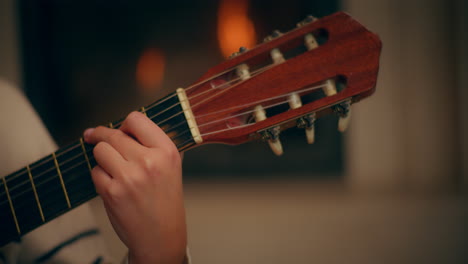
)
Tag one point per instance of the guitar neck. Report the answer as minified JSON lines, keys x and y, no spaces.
{"x":61,"y":181}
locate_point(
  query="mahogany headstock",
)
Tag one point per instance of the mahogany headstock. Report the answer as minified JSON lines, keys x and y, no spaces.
{"x":225,"y":101}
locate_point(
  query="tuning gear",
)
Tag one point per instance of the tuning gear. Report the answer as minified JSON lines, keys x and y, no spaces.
{"x":307,"y":121}
{"x":307,"y":20}
{"x":271,"y":134}
{"x":274,"y":34}
{"x":241,"y":50}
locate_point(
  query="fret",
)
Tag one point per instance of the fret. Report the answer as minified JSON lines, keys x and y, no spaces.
{"x":24,"y":201}
{"x":8,"y":226}
{"x":75,"y":166}
{"x":61,"y":179}
{"x":48,"y":187}
{"x":11,"y":205}
{"x":116,"y":124}
{"x":35,"y":193}
{"x":143,"y":110}
{"x":86,"y":155}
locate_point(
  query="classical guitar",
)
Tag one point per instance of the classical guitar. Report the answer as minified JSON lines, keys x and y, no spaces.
{"x":320,"y":67}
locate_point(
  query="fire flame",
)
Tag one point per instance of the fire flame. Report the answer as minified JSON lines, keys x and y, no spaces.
{"x":235,"y":29}
{"x":150,"y":69}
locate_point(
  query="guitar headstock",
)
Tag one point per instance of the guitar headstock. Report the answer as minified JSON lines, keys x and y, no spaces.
{"x":320,"y":67}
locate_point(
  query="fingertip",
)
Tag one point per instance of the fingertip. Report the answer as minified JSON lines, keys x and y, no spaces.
{"x":87,"y":133}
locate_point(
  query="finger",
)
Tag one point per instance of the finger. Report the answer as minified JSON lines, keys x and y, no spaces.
{"x":101,"y":179}
{"x":124,"y":144}
{"x":145,"y":131}
{"x":109,"y":159}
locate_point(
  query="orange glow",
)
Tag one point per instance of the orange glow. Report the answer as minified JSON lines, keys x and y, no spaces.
{"x":235,"y":29}
{"x":150,"y":70}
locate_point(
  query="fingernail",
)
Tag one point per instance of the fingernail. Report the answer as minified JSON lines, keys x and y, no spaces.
{"x":88,"y":132}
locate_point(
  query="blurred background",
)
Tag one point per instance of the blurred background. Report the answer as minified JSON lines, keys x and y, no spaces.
{"x":390,"y":190}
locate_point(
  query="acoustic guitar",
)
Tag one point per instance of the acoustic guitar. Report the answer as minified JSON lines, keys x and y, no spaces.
{"x":320,"y":67}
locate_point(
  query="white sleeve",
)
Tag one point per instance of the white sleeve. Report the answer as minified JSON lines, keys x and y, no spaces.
{"x":23,"y":140}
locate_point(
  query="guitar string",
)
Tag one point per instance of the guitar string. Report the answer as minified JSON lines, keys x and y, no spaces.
{"x":181,"y":144}
{"x":258,"y":71}
{"x":253,"y":74}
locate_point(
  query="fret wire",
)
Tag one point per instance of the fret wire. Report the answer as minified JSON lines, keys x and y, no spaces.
{"x":111,"y":125}
{"x":35,"y":193}
{"x":78,"y":181}
{"x":61,"y":180}
{"x":51,"y":192}
{"x":85,"y":154}
{"x":143,"y":110}
{"x":11,"y":206}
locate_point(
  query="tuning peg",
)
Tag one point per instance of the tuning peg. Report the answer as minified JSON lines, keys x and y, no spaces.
{"x":237,"y":53}
{"x":343,"y":110}
{"x":274,"y":34}
{"x":343,"y":122}
{"x":307,"y":20}
{"x":271,"y":134}
{"x":307,"y":122}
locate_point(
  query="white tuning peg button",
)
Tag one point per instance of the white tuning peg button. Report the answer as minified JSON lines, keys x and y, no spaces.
{"x":276,"y":147}
{"x":307,"y":122}
{"x":310,"y":127}
{"x":343,"y":122}
{"x":310,"y":134}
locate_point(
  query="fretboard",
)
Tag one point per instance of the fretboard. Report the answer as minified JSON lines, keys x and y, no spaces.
{"x":62,"y":181}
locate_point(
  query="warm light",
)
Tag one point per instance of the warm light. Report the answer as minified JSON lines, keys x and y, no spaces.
{"x":235,"y":29}
{"x":150,"y":70}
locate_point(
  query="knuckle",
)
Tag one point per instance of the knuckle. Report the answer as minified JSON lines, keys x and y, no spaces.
{"x":173,"y":155}
{"x":115,"y":136}
{"x":100,"y":129}
{"x":113,"y":194}
{"x":148,"y":162}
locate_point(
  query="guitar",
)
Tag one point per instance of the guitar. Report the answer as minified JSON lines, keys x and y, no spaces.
{"x":320,"y":67}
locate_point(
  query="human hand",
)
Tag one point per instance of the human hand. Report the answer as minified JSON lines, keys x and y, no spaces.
{"x":139,"y":177}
